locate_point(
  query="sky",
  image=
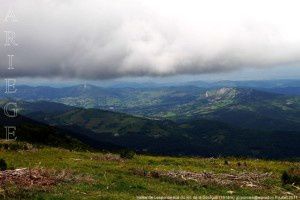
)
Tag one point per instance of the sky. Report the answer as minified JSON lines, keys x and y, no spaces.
{"x":99,"y":40}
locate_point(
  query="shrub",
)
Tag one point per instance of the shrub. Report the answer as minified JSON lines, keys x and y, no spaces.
{"x":3,"y":165}
{"x":14,"y":146}
{"x":128,"y":154}
{"x":291,"y":176}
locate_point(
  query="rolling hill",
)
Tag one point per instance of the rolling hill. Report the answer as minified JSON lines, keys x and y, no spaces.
{"x":192,"y":137}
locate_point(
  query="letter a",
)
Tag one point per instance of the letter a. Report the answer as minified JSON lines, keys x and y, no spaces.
{"x":10,"y":16}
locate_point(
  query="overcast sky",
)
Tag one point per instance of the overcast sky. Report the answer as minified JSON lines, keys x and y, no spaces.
{"x":101,"y":39}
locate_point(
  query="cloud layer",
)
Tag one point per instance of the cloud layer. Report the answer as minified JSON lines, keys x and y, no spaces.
{"x":100,"y":39}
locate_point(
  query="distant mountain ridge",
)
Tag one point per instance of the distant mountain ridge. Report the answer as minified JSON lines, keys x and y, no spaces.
{"x":244,"y":107}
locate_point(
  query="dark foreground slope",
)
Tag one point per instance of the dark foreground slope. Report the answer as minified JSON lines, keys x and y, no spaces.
{"x":192,"y":137}
{"x":38,"y":133}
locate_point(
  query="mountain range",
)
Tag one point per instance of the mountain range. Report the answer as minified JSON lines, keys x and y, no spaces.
{"x":243,"y":107}
{"x":169,"y":120}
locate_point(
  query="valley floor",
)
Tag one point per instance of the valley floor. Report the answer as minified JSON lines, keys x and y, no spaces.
{"x":53,"y":173}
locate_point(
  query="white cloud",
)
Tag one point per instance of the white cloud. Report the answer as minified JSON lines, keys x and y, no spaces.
{"x":99,"y":39}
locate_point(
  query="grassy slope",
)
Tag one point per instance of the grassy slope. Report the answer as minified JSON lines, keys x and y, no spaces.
{"x":114,"y":180}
